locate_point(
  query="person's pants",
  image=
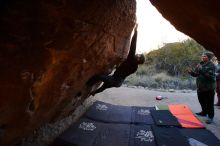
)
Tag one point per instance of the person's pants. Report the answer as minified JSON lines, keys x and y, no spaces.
{"x":109,"y":82}
{"x":206,"y":100}
{"x":218,"y":91}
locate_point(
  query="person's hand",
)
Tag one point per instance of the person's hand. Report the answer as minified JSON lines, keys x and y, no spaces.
{"x":136,"y":27}
{"x":189,"y":70}
{"x":199,"y":67}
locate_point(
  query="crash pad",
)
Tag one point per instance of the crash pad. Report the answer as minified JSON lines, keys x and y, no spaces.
{"x":169,"y":136}
{"x":189,"y":121}
{"x":161,"y":107}
{"x":93,"y":131}
{"x":141,"y":135}
{"x":87,"y":132}
{"x":179,"y":109}
{"x":109,"y":113}
{"x":164,"y":118}
{"x":204,"y":136}
{"x":82,"y":133}
{"x":185,"y":116}
{"x":142,"y":115}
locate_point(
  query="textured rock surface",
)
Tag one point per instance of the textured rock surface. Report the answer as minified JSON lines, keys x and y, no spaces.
{"x":200,"y":19}
{"x":48,"y":50}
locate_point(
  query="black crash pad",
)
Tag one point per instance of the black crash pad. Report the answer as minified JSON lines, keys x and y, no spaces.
{"x":87,"y":132}
{"x":141,"y":135}
{"x":106,"y":112}
{"x":109,"y":113}
{"x":142,"y":115}
{"x":169,"y":136}
{"x":201,"y":135}
{"x":82,"y":133}
{"x":164,"y":118}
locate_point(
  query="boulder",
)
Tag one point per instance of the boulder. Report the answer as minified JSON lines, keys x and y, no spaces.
{"x":49,"y":50}
{"x":196,"y":18}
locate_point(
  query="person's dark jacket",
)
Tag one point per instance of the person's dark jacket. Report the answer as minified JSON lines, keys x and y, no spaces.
{"x":205,"y":76}
{"x":218,"y":71}
{"x":130,"y":65}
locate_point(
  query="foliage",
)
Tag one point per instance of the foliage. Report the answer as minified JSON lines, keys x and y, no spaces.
{"x":162,"y":82}
{"x":166,"y":67}
{"x":175,"y":58}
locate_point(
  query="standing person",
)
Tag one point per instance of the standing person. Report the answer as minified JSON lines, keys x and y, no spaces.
{"x":218,"y":83}
{"x":206,"y":83}
{"x":127,"y":67}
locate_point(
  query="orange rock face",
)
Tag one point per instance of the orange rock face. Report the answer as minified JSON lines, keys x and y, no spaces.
{"x":49,"y":49}
{"x":196,"y":18}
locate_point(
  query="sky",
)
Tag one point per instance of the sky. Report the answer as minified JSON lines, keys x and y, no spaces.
{"x":153,"y":29}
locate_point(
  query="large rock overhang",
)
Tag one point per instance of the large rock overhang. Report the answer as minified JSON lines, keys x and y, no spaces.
{"x":199,"y":19}
{"x":49,"y":49}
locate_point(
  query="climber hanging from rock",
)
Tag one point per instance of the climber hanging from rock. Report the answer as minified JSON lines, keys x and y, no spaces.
{"x":127,"y":67}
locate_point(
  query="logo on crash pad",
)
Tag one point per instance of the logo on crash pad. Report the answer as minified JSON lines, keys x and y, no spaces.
{"x":146,"y":136}
{"x":143,"y":112}
{"x":87,"y":126}
{"x":101,"y":107}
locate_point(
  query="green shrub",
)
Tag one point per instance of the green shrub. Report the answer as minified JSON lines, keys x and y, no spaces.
{"x":166,"y":67}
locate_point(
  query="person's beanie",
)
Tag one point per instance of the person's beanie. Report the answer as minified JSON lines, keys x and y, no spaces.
{"x":209,"y":54}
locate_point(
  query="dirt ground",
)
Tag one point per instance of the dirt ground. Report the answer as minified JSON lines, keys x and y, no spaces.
{"x":145,"y":97}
